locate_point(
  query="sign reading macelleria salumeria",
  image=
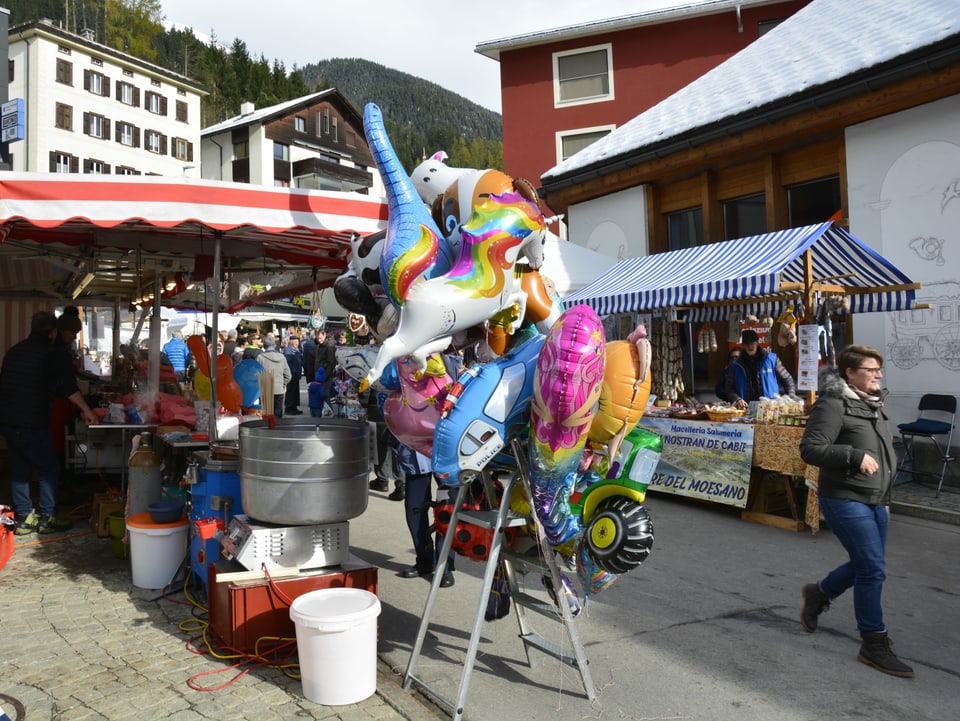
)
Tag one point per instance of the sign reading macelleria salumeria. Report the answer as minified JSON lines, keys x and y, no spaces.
{"x":705,"y":460}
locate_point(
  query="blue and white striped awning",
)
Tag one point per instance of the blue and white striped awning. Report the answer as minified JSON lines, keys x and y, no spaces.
{"x":704,"y":279}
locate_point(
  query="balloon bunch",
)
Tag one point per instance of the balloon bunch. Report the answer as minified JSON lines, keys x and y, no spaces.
{"x":458,"y":264}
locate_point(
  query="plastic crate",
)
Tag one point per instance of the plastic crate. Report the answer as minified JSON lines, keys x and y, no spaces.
{"x":6,"y":539}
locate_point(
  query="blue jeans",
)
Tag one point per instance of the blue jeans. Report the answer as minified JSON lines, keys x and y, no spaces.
{"x":417,"y":502}
{"x":30,"y":448}
{"x":862,"y":530}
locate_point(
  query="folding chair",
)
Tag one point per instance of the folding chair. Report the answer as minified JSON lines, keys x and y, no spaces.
{"x":929,"y":425}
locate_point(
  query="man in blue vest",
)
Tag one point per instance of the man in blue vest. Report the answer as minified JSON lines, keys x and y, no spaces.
{"x":757,"y":373}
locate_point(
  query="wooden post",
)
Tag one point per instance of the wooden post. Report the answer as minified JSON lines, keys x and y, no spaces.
{"x":808,"y":299}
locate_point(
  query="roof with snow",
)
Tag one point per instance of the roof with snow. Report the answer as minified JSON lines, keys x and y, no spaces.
{"x":819,"y":53}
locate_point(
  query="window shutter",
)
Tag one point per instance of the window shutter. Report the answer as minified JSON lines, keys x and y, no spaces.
{"x":136,"y":137}
{"x":86,"y":123}
{"x":74,"y":164}
{"x":86,"y":79}
{"x":163,"y":105}
{"x":53,"y":162}
{"x":136,"y":96}
{"x":106,"y":168}
{"x":190,"y":152}
{"x":119,"y":88}
{"x":106,"y":128}
{"x":163,"y":144}
{"x":86,"y":166}
{"x":106,"y":87}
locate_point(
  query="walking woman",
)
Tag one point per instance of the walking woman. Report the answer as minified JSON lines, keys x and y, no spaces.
{"x":847,"y":437}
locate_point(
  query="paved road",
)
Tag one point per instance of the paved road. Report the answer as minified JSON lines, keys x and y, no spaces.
{"x":706,"y":629}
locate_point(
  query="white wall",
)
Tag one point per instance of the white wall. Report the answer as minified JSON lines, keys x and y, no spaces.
{"x":613,"y":225}
{"x":903,"y":174}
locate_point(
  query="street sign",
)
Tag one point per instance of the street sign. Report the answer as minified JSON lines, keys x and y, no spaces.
{"x":12,"y":121}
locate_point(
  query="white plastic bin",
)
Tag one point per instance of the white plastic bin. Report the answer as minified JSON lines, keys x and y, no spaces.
{"x":337,"y":644}
{"x":156,"y":549}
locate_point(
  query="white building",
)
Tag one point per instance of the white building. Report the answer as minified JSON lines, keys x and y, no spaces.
{"x":93,"y":109}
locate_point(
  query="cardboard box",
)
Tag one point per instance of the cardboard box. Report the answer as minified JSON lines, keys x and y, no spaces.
{"x":103,"y":504}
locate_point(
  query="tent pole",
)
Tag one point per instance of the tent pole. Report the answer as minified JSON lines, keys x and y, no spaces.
{"x":808,"y":297}
{"x":215,"y":335}
{"x":116,"y":337}
{"x":692,"y":391}
{"x":153,"y":353}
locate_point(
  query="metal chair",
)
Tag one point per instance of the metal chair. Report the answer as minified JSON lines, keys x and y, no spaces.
{"x":931,"y":426}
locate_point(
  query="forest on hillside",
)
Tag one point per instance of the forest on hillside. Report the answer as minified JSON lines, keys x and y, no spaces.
{"x":469,"y":133}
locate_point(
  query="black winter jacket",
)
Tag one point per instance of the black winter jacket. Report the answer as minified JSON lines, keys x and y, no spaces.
{"x":840,"y":430}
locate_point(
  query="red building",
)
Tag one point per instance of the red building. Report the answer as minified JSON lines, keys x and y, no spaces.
{"x":565,"y":88}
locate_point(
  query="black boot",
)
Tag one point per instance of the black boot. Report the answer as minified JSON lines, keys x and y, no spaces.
{"x":875,"y":651}
{"x":815,"y":602}
{"x":399,"y":491}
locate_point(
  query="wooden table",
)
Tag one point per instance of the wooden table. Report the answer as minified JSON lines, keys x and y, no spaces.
{"x":777,"y":448}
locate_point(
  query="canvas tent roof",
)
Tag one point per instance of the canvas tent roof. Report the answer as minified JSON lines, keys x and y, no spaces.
{"x":126,"y":229}
{"x":763,"y":271}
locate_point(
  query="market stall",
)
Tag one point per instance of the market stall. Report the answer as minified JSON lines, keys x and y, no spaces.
{"x":152,"y":241}
{"x":757,"y":276}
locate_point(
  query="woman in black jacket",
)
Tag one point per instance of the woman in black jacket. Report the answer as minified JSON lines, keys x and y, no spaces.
{"x":847,"y":437}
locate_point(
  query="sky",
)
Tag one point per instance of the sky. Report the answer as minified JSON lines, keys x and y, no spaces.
{"x":431,"y":40}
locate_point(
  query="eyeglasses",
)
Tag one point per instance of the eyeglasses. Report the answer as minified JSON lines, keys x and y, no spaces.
{"x":872,"y":371}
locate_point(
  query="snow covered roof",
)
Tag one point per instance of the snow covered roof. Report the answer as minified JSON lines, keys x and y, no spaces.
{"x":697,"y":8}
{"x":826,"y":42}
{"x":262,"y":114}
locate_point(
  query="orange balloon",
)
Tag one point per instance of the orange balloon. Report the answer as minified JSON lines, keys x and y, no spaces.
{"x":622,"y":399}
{"x":198,"y":346}
{"x":229,"y":392}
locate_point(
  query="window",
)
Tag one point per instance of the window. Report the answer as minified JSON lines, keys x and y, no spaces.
{"x":335,"y":129}
{"x":64,"y":119}
{"x":583,"y":76}
{"x":128,"y":94}
{"x":127,"y":73}
{"x":685,"y":229}
{"x":299,"y":124}
{"x":281,"y":151}
{"x":11,"y":70}
{"x":152,"y":141}
{"x":128,"y":135}
{"x":746,"y":216}
{"x":96,"y":167}
{"x":63,"y":49}
{"x":813,"y":202}
{"x":96,"y":83}
{"x":241,"y":150}
{"x":64,"y":72}
{"x":182,"y":149}
{"x":326,"y":121}
{"x":94,"y":125}
{"x":96,"y":61}
{"x":765,"y":26}
{"x":572,"y":143}
{"x":181,"y":111}
{"x":156,"y":103}
{"x":63,"y":162}
{"x":125,"y":170}
{"x":155,"y":82}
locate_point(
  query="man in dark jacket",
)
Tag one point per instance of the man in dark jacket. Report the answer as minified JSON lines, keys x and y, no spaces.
{"x":30,"y":377}
{"x":756,"y":374}
{"x":308,"y":349}
{"x":848,"y":438}
{"x":291,"y":351}
{"x":326,"y":358}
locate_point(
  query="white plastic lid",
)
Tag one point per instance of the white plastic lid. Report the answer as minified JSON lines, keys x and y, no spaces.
{"x":334,"y":609}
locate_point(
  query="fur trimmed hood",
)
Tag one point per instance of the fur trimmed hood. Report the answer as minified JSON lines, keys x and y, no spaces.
{"x":830,"y":384}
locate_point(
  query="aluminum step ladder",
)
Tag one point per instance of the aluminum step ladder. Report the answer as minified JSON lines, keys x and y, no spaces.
{"x":544,"y":565}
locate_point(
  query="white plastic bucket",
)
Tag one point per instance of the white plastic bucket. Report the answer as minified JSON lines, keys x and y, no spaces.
{"x":337,"y":644}
{"x":156,"y":549}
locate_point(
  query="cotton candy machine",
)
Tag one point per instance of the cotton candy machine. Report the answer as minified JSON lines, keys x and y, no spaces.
{"x":304,"y":472}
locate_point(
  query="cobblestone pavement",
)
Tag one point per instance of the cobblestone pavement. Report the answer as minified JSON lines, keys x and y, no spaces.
{"x":81,"y":643}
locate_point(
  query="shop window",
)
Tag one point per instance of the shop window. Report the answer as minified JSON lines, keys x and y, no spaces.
{"x":813,"y":202}
{"x":572,"y":143}
{"x":583,"y":76}
{"x":685,"y":229}
{"x":746,"y":216}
